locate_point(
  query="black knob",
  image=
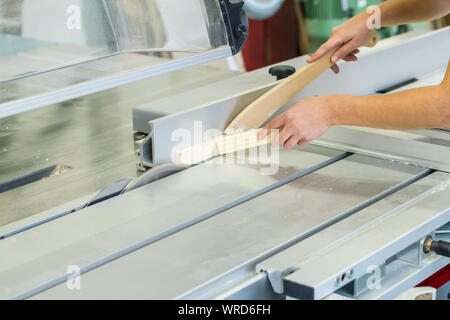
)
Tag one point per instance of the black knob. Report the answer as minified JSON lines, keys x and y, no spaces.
{"x":240,"y":31}
{"x":440,"y":247}
{"x":282,"y":71}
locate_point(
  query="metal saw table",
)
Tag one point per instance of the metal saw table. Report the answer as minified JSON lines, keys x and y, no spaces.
{"x":337,"y":214}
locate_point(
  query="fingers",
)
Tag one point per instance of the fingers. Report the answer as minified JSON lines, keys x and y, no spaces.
{"x":344,"y":51}
{"x":303,"y":142}
{"x":349,"y":58}
{"x":287,"y":137}
{"x":335,"y":68}
{"x":276,"y":123}
{"x":284,"y":136}
{"x":292,"y":142}
{"x":324,"y":49}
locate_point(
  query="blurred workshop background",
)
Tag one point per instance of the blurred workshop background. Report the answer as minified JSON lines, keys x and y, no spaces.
{"x":284,"y":29}
{"x":278,"y":29}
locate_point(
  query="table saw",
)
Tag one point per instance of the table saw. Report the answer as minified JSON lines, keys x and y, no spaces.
{"x":346,"y":217}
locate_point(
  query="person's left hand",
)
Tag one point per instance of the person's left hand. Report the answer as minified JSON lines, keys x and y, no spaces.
{"x":304,"y":122}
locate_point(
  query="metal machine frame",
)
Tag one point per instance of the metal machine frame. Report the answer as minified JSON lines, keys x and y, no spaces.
{"x":345,"y":217}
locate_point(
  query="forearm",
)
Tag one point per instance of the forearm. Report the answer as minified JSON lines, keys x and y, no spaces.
{"x":420,"y":108}
{"x":395,"y":12}
{"x":427,"y":107}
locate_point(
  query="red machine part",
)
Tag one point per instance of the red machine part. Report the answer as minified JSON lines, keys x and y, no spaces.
{"x":438,"y":279}
{"x":272,"y":40}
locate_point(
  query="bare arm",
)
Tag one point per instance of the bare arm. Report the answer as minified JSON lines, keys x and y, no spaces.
{"x":355,"y":32}
{"x":308,"y":119}
{"x":395,"y":12}
{"x":427,"y":107}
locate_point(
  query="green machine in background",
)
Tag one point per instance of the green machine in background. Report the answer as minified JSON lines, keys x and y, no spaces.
{"x":323,"y":15}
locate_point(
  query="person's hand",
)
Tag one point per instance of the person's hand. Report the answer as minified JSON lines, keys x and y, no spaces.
{"x":350,"y":36}
{"x":304,"y":122}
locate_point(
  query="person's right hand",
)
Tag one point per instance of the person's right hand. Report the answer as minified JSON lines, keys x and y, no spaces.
{"x":349,"y":37}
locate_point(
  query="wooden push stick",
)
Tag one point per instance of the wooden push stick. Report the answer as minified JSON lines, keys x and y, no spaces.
{"x":258,"y":112}
{"x":219,"y":146}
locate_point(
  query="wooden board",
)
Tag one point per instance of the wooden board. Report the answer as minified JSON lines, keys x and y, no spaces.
{"x":219,"y":146}
{"x":265,"y":106}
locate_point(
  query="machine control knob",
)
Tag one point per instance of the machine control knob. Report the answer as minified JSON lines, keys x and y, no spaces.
{"x":440,"y":247}
{"x":240,"y":31}
{"x":282,"y":71}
